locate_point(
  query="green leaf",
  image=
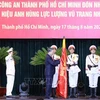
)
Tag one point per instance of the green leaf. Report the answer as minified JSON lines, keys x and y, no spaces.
{"x":3,"y":54}
{"x":98,"y":51}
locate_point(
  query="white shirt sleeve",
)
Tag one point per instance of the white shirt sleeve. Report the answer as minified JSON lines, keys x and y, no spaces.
{"x":8,"y":57}
{"x":99,"y":63}
{"x":86,"y":64}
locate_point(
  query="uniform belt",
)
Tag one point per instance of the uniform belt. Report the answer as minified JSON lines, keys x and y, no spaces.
{"x":89,"y":66}
{"x":95,"y":66}
{"x":71,"y":65}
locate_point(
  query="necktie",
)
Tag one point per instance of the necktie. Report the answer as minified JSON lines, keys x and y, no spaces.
{"x":92,"y":56}
{"x":71,"y":56}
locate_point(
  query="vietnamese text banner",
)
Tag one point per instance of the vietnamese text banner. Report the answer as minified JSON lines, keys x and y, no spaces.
{"x":49,"y":19}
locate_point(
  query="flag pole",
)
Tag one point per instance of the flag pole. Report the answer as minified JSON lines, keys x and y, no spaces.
{"x":62,"y":77}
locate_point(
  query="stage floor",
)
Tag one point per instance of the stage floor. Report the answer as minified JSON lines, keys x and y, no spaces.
{"x":42,"y":98}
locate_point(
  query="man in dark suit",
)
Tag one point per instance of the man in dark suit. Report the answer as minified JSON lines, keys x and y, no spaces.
{"x":50,"y":64}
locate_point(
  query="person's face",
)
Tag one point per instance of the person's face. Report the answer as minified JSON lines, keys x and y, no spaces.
{"x":93,"y":51}
{"x":51,"y":52}
{"x":11,"y":53}
{"x":71,"y":50}
{"x":54,"y":50}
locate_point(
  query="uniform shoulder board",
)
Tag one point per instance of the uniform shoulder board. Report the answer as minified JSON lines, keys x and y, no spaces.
{"x":98,"y":56}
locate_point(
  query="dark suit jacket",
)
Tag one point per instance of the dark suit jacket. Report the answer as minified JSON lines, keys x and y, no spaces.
{"x":50,"y":65}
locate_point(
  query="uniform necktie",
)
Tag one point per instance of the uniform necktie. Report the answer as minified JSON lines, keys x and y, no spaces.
{"x":92,"y":56}
{"x":71,"y":56}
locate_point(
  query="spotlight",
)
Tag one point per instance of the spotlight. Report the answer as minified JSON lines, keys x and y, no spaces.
{"x":24,"y":89}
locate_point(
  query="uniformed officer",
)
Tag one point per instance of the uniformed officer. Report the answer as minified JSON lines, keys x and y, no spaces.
{"x":73,"y":70}
{"x":50,"y":64}
{"x":93,"y":70}
{"x":55,"y":76}
{"x":10,"y":72}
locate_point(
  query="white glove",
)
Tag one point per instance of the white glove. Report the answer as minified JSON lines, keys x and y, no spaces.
{"x":87,"y":72}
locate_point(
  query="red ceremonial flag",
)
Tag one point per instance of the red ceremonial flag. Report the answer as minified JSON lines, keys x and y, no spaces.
{"x":62,"y":77}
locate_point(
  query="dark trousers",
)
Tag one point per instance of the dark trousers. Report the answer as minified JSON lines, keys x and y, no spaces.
{"x":49,"y":80}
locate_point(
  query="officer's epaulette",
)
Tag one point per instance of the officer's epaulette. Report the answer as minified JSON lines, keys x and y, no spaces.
{"x":98,"y":56}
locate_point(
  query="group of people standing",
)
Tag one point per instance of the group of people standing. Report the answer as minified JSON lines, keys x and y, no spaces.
{"x":52,"y":64}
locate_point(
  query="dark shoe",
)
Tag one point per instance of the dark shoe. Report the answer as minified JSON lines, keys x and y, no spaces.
{"x":93,"y":96}
{"x":55,"y":97}
{"x":53,"y":92}
{"x":93,"y":93}
{"x":47,"y":97}
{"x":9,"y":97}
{"x":72,"y":96}
{"x":75,"y":96}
